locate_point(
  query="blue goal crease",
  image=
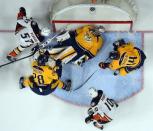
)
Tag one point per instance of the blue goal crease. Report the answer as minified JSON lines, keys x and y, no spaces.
{"x":115,"y":87}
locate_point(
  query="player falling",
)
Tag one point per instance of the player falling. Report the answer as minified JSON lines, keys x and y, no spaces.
{"x":28,"y":33}
{"x":45,"y":77}
{"x":79,"y":45}
{"x":101,"y":109}
{"x":124,"y":59}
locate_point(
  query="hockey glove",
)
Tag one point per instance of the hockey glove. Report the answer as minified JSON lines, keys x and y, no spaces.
{"x":58,"y":62}
{"x":104,"y":65}
{"x":118,"y":43}
{"x":35,"y":49}
{"x":90,"y":111}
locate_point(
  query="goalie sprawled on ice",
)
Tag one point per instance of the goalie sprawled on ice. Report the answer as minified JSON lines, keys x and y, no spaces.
{"x":79,"y":45}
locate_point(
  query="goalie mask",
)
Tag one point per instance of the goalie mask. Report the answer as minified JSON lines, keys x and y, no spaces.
{"x":114,"y":55}
{"x":93,"y":92}
{"x":98,"y":30}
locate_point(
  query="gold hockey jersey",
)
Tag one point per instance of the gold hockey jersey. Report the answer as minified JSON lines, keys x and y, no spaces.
{"x":43,"y":76}
{"x":88,"y":40}
{"x":129,"y":57}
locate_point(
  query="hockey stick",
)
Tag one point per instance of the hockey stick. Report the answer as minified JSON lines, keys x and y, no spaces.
{"x":85,"y":81}
{"x":49,"y":40}
{"x":17,"y":59}
{"x":43,"y":45}
{"x":40,"y":47}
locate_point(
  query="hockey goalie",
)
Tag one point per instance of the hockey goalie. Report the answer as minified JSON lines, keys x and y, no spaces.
{"x":27,"y":33}
{"x":124,"y":59}
{"x":101,"y":109}
{"x":79,"y":45}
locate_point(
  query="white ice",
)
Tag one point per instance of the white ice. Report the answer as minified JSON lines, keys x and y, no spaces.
{"x":22,"y":110}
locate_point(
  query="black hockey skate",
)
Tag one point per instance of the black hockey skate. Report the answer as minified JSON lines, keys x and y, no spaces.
{"x":88,"y":119}
{"x":10,"y":58}
{"x":101,"y":127}
{"x":21,"y":86}
{"x":67,"y":86}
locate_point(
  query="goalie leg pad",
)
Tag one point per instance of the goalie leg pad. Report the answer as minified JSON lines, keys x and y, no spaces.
{"x":56,"y":51}
{"x":67,"y":55}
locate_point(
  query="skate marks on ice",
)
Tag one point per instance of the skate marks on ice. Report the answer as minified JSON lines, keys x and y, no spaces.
{"x":116,"y":87}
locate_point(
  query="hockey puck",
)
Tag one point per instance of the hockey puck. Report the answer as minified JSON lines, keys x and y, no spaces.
{"x":92,"y":9}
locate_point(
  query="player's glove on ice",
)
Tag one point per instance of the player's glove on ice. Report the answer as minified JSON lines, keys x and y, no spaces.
{"x":103,"y":65}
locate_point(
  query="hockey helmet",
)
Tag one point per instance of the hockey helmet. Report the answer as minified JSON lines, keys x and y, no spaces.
{"x":42,"y":59}
{"x":93,"y":92}
{"x":114,"y":55}
{"x":23,"y":11}
{"x":45,"y":31}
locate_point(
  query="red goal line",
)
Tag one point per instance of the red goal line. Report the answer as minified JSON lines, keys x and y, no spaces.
{"x":53,"y":22}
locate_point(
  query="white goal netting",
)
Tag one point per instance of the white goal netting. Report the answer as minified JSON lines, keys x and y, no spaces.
{"x":114,"y":15}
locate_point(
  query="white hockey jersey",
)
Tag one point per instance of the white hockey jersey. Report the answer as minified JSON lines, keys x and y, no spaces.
{"x":102,"y":108}
{"x":29,"y":33}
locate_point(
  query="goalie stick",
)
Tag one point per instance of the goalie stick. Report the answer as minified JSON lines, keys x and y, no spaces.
{"x":85,"y":81}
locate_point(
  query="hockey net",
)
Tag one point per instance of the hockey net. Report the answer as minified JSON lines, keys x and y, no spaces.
{"x":114,"y":15}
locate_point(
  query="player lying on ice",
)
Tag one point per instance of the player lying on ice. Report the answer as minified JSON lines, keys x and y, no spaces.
{"x":101,"y":109}
{"x":79,"y":45}
{"x":45,"y":77}
{"x":27,"y":33}
{"x":124,"y":59}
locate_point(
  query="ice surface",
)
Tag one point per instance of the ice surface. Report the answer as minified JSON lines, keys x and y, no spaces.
{"x":116,"y":87}
{"x":22,"y":110}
